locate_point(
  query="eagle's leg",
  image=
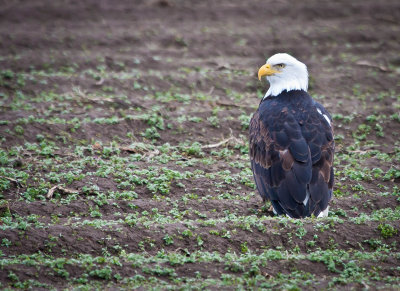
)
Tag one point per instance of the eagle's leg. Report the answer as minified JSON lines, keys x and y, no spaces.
{"x":270,"y":208}
{"x":324,"y":213}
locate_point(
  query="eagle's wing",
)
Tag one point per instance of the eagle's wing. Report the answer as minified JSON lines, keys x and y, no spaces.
{"x":292,"y":159}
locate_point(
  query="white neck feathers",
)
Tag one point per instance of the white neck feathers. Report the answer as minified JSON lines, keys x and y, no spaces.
{"x":288,"y":82}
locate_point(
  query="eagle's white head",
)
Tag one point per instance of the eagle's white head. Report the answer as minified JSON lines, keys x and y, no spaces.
{"x":284,"y":72}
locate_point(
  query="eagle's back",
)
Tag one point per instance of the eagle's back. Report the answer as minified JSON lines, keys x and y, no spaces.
{"x":291,"y":152}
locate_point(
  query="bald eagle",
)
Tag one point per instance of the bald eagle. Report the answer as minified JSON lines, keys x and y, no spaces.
{"x":291,"y":142}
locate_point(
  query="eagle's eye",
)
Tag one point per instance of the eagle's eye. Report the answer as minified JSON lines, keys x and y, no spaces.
{"x":280,"y":66}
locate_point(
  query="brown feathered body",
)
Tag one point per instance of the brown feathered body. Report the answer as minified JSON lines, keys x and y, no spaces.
{"x":291,"y":153}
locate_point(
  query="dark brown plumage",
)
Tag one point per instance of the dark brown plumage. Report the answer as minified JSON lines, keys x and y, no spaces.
{"x":291,"y":153}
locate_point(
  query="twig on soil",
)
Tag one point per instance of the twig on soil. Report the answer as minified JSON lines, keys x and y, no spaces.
{"x":79,"y":93}
{"x":215,"y":145}
{"x":130,"y":150}
{"x":88,"y":98}
{"x":368,"y":64}
{"x":16,"y":182}
{"x":152,"y":154}
{"x":222,"y":142}
{"x":61,"y":189}
{"x":142,"y":151}
{"x":228,"y":104}
{"x":185,"y":251}
{"x":387,"y":19}
{"x":99,"y":82}
{"x":359,"y":151}
{"x":266,"y":275}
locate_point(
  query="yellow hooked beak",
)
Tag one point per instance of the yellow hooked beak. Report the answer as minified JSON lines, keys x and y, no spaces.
{"x":266,"y":70}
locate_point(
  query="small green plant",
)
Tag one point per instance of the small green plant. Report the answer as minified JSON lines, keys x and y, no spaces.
{"x":104,"y":273}
{"x":12,"y":276}
{"x":244,"y":248}
{"x":194,"y":149}
{"x":151,"y":133}
{"x":187,"y":233}
{"x":6,"y":242}
{"x":213,"y":120}
{"x":245,"y":121}
{"x":301,"y":232}
{"x":387,"y":231}
{"x":19,"y":130}
{"x":168,"y":240}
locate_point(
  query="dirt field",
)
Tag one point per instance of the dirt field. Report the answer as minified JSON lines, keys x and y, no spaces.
{"x":124,"y":156}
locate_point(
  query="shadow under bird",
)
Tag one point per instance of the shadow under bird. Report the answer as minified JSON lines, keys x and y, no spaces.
{"x":291,"y":142}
